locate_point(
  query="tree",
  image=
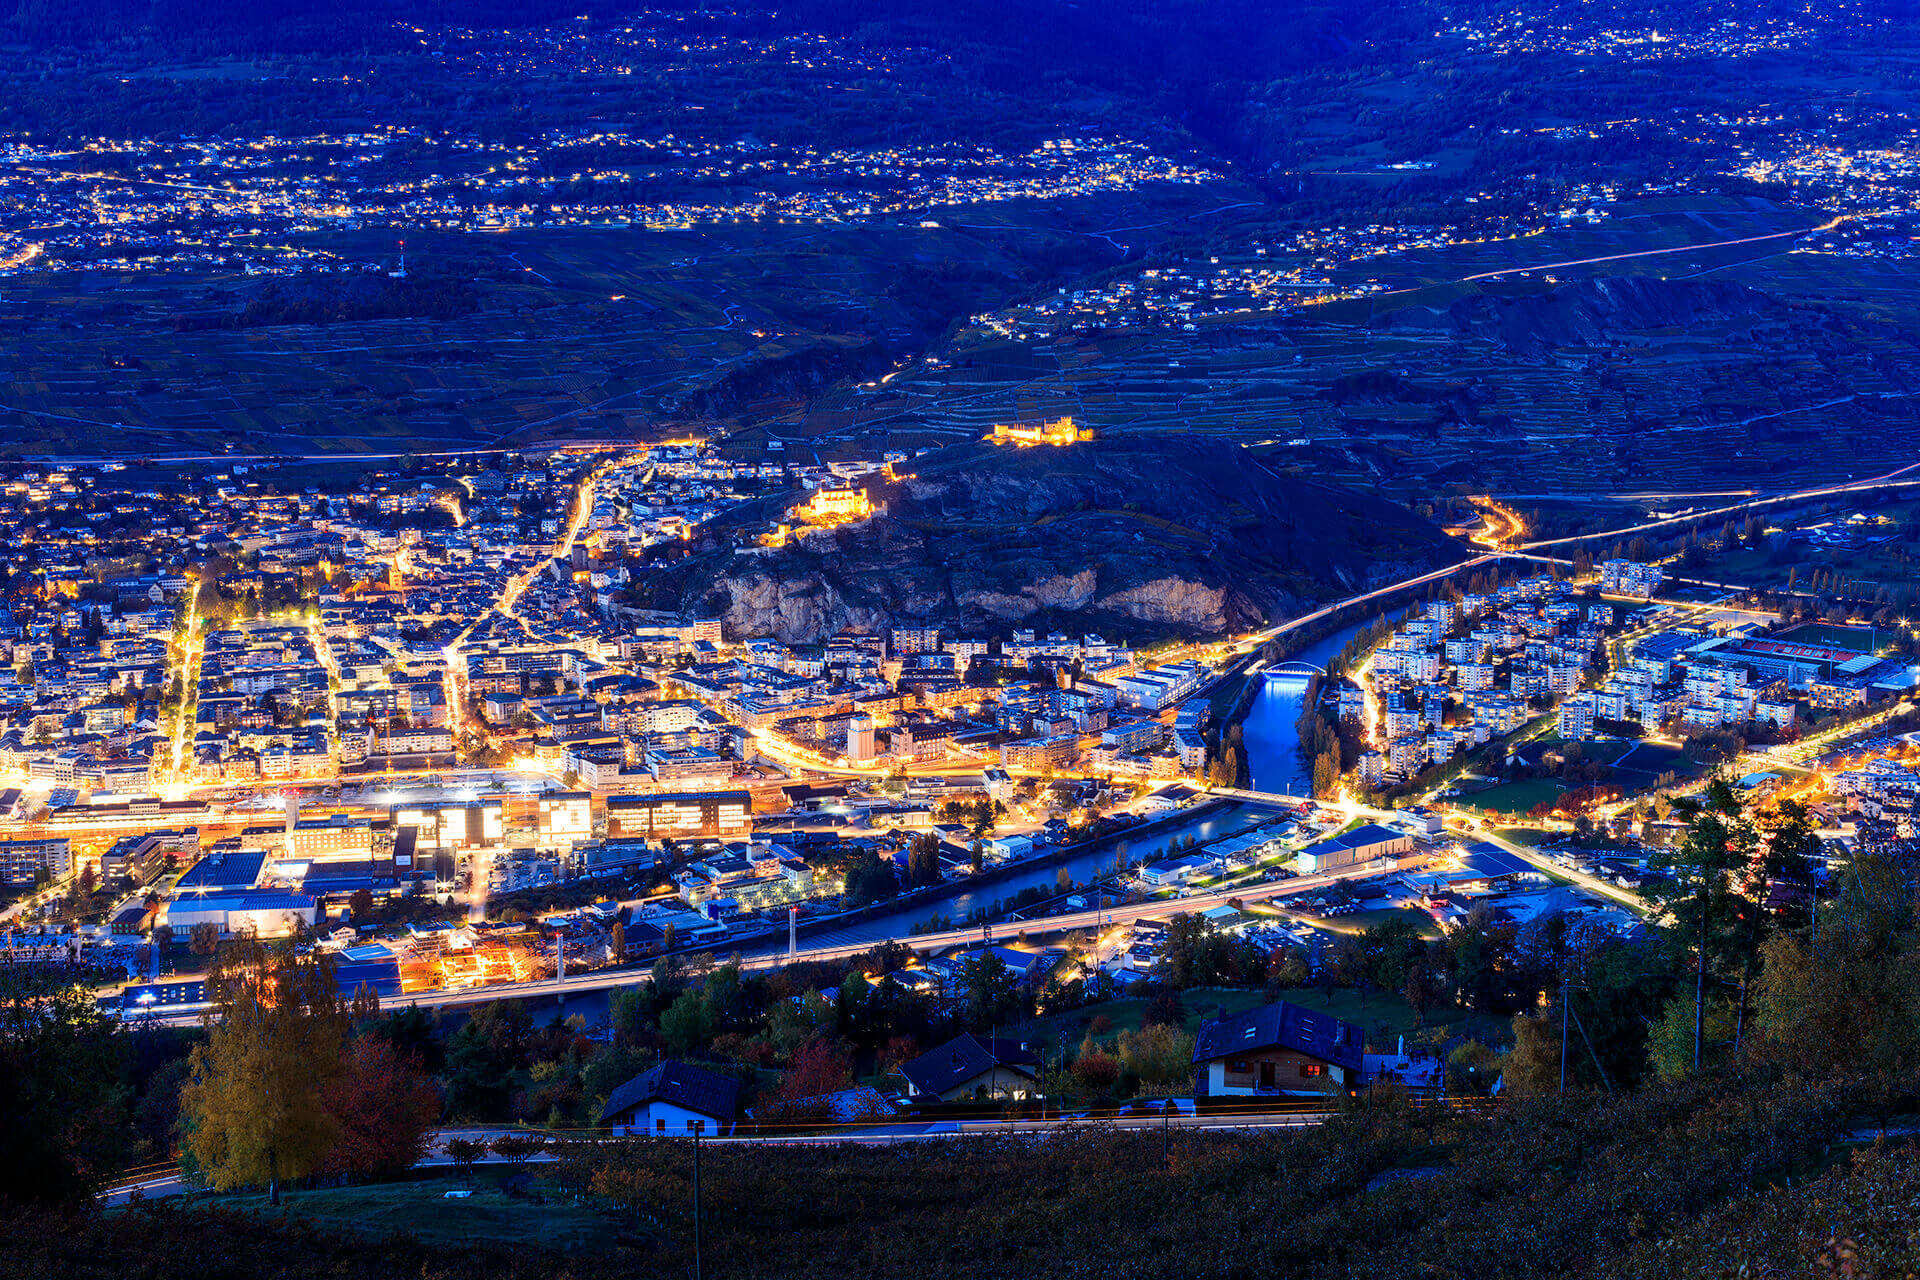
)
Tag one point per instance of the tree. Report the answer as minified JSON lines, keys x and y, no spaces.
{"x":1094,"y":1069}
{"x":60,"y":1065}
{"x":254,"y":1103}
{"x":1472,"y":1069}
{"x":1164,"y":1009}
{"x":517,"y":1148}
{"x":629,"y":1014}
{"x":163,"y":939}
{"x":1721,"y":843}
{"x":617,"y":943}
{"x":687,"y":1024}
{"x":1531,"y":1068}
{"x":1419,"y":990}
{"x":360,"y":904}
{"x":384,"y":1108}
{"x":1185,"y":953}
{"x":1196,"y":954}
{"x":1348,"y":959}
{"x":204,"y":938}
{"x":990,"y":990}
{"x":1160,"y":1054}
{"x":366,"y":1005}
{"x":850,"y":1003}
{"x":1848,"y":998}
{"x":1390,"y":950}
{"x":1326,"y":773}
{"x":1479,"y":959}
{"x":868,"y":879}
{"x":923,"y":860}
{"x":1287,"y":968}
{"x":818,"y":1069}
{"x":897,"y":1050}
{"x":1671,"y":1051}
{"x":484,"y":1058}
{"x":464,"y":1152}
{"x":1790,"y":845}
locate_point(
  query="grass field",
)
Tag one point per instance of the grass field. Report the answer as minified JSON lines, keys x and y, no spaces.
{"x":1516,"y":797}
{"x":1528,"y":836}
{"x":1859,"y":639}
{"x":421,"y":1209}
{"x":1361,"y":921}
{"x":1652,"y":757}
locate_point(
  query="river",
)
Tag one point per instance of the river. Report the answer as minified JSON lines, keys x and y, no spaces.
{"x":1096,"y":860}
{"x":1093,"y":862}
{"x":1273,"y":758}
{"x":1272,"y":743}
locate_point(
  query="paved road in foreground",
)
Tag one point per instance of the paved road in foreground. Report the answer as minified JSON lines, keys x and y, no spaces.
{"x":174,"y":1183}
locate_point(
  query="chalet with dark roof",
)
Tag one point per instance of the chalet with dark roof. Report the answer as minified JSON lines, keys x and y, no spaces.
{"x":970,"y":1066}
{"x":673,"y":1098}
{"x":1277,"y":1049}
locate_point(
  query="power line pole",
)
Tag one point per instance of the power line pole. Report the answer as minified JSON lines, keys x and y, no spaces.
{"x":1564,"y":996}
{"x":698,"y":1126}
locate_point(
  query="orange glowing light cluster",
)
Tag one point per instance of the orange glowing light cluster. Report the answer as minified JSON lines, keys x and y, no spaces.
{"x":1059,"y":432}
{"x":834,"y":506}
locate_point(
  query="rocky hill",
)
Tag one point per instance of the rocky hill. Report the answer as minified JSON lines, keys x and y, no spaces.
{"x":1159,"y":536}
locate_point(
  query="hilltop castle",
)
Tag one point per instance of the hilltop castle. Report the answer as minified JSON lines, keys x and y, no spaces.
{"x":1061,"y":431}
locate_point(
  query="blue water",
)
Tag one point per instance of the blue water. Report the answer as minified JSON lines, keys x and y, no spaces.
{"x":1274,"y":762}
{"x":1095,"y":862}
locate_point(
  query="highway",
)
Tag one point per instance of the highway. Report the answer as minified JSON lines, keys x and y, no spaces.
{"x":1828,"y":225}
{"x":770,"y":954}
{"x":1255,"y":639}
{"x":1890,"y":479}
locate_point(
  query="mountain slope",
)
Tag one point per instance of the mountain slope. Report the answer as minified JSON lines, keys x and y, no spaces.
{"x":1153,"y":536}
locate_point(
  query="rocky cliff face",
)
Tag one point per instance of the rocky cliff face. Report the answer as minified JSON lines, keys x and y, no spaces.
{"x":1149,"y":537}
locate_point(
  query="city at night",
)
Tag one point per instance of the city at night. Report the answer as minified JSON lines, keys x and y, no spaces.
{"x":1165,"y":638}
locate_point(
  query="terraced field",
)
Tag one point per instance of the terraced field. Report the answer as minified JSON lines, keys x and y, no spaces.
{"x":1734,"y":371}
{"x":564,"y":334}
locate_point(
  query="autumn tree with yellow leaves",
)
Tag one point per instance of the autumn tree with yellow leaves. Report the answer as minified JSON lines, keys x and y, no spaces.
{"x":255,"y":1101}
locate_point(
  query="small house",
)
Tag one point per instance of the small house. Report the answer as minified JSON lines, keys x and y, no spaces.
{"x":673,"y":1098}
{"x":1277,"y":1049}
{"x":970,"y":1066}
